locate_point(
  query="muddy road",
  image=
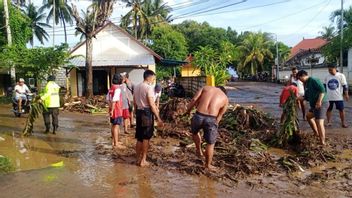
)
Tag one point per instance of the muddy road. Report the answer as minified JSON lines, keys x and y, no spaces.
{"x":68,"y":164}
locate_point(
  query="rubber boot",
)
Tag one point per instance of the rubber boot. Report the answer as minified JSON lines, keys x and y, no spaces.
{"x":47,"y":129}
{"x":54,"y":129}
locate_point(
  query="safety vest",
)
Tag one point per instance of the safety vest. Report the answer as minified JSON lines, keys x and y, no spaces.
{"x":51,"y":96}
{"x":118,"y":104}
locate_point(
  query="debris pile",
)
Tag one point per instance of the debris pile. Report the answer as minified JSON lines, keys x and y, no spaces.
{"x":83,"y":105}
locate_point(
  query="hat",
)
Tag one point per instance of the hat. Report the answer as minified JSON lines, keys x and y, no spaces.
{"x":123,"y":74}
{"x":51,"y":78}
{"x":21,"y":80}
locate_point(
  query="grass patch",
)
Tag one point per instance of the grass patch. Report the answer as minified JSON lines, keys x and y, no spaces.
{"x":5,"y":165}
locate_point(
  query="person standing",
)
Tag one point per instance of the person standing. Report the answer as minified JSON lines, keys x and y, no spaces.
{"x":51,"y":99}
{"x":157,"y":95}
{"x":114,"y":98}
{"x":21,"y":90}
{"x":130,"y":90}
{"x":285,"y":94}
{"x":300,"y":88}
{"x":314,"y":93}
{"x":337,"y":91}
{"x":211,"y":104}
{"x":145,"y":112}
{"x":125,"y":104}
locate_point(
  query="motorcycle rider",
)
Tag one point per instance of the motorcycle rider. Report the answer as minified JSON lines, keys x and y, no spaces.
{"x":21,"y":90}
{"x":51,"y":100}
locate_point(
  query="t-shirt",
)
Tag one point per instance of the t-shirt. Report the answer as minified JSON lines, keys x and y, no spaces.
{"x":130,"y":90}
{"x":156,"y":96}
{"x":141,"y":94}
{"x":117,"y":95}
{"x":300,"y":86}
{"x":20,"y":90}
{"x":125,"y":100}
{"x":314,"y":88}
{"x":334,"y":86}
{"x":286,"y":92}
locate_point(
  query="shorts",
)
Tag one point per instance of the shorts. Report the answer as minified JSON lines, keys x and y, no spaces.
{"x":339,"y":105}
{"x":208,"y":124}
{"x":116,"y":121}
{"x":126,"y":114}
{"x":22,"y":96}
{"x":144,"y":124}
{"x":318,"y":113}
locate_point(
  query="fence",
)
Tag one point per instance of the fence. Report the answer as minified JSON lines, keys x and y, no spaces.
{"x":192,"y":84}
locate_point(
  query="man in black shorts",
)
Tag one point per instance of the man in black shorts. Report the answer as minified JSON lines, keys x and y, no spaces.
{"x":145,"y":112}
{"x":211,"y":104}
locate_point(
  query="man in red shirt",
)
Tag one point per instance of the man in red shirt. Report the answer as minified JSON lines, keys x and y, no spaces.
{"x":285,"y":94}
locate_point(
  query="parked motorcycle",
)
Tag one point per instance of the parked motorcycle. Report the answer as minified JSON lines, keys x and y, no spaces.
{"x":175,"y":90}
{"x":26,"y":105}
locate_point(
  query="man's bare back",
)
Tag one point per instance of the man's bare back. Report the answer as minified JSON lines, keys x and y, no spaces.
{"x":211,"y":100}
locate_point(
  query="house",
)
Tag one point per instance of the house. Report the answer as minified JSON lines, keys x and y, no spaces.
{"x":307,"y":52}
{"x":188,"y":69}
{"x":114,"y":51}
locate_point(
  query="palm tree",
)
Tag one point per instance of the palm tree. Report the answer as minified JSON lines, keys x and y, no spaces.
{"x":347,"y":17}
{"x":87,"y":24}
{"x":254,"y":48}
{"x":143,"y":16}
{"x":37,"y":26}
{"x":327,"y":33}
{"x":63,"y":12}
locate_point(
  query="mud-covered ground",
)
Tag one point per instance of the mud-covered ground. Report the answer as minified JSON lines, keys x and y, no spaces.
{"x":92,"y":169}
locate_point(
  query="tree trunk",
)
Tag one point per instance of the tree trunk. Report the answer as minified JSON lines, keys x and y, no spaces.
{"x":252,"y":68}
{"x":63,"y":22}
{"x":89,"y":66}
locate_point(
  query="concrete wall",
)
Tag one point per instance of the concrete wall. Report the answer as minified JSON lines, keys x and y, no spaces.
{"x":192,"y":84}
{"x":319,"y":73}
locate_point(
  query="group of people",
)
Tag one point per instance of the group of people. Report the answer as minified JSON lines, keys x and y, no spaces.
{"x":210,"y":102}
{"x":334,"y":89}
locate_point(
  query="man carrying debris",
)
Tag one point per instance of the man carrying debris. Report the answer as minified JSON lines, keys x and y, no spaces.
{"x":300,"y":86}
{"x":114,"y":99}
{"x":285,"y":94}
{"x":337,"y":90}
{"x":51,"y":100}
{"x":211,"y":104}
{"x":145,"y":112}
{"x":314,"y":93}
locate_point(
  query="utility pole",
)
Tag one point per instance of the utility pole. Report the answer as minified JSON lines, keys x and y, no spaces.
{"x":341,"y":44}
{"x":9,"y":38}
{"x":277,"y":60}
{"x":54,"y":14}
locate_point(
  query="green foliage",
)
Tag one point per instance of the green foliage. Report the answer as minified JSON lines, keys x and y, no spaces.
{"x":168,"y":43}
{"x":20,"y":24}
{"x":163,"y":73}
{"x":290,"y":126}
{"x":255,"y":49}
{"x":37,"y":109}
{"x":5,"y":165}
{"x":202,"y":34}
{"x":215,"y":62}
{"x":35,"y":62}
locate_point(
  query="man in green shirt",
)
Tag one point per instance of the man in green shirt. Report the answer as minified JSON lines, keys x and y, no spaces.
{"x":314,"y":94}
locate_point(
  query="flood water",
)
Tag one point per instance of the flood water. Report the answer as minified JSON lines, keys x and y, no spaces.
{"x":67,"y":164}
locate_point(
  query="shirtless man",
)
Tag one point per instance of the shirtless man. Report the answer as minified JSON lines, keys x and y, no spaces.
{"x":211,"y":104}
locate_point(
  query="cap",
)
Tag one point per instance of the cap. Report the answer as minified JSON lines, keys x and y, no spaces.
{"x":21,"y":80}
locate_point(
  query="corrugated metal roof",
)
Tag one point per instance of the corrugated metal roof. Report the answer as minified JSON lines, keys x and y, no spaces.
{"x":145,"y":59}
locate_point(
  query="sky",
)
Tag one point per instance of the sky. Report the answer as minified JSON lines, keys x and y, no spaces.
{"x":289,"y":20}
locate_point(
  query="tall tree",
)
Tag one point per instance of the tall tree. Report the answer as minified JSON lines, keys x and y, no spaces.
{"x":347,"y":17}
{"x":143,"y":16}
{"x":254,"y":49}
{"x":328,"y":33}
{"x":36,"y":23}
{"x":63,"y":13}
{"x":87,"y":24}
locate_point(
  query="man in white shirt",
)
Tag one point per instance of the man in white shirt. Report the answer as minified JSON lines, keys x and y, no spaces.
{"x":21,"y":90}
{"x":337,"y":91}
{"x":300,"y":87}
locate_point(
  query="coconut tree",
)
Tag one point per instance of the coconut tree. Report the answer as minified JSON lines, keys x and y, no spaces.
{"x":347,"y":16}
{"x":143,"y":16}
{"x":254,"y":49}
{"x":87,"y":24}
{"x":327,"y":33}
{"x":63,"y":13}
{"x":37,"y":25}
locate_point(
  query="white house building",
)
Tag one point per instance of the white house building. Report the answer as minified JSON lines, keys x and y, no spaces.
{"x":114,"y":51}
